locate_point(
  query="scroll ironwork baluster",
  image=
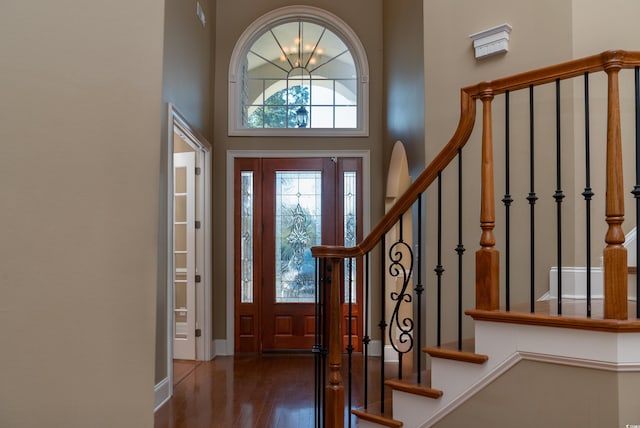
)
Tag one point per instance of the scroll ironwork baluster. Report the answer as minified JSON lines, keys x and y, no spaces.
{"x":399,"y":324}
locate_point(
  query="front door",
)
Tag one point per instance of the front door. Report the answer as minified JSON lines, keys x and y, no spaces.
{"x":283,"y":208}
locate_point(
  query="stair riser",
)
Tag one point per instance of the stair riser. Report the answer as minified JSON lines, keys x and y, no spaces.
{"x":454,"y":377}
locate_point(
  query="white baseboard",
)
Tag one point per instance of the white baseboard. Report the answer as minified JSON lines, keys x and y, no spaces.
{"x":161,"y":393}
{"x":574,"y":283}
{"x":390,"y":354}
{"x":574,"y":279}
{"x":219,"y":347}
{"x":375,"y":347}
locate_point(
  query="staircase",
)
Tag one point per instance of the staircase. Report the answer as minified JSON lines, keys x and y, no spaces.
{"x":555,"y":330}
{"x":502,"y":343}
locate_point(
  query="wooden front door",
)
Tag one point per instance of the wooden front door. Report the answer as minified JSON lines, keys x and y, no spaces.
{"x":283,"y":208}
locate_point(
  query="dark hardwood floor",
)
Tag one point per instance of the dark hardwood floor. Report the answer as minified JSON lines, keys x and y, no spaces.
{"x":251,"y":390}
{"x":182,"y":369}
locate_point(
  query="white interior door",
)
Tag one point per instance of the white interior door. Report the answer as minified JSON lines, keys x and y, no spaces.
{"x":184,"y":256}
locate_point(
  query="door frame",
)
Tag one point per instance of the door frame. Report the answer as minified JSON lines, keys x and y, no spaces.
{"x":204,"y":317}
{"x":227,"y":347}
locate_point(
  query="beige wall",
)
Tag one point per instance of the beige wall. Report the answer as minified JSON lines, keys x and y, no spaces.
{"x":232,"y":18}
{"x":533,"y":395}
{"x":597,"y":27}
{"x":450,"y":65}
{"x":404,"y":80}
{"x":187,"y":73}
{"x":81,"y":89}
{"x":628,"y":409}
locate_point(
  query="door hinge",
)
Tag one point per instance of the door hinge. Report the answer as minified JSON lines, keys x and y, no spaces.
{"x":198,"y":224}
{"x":198,"y":332}
{"x":198,"y":278}
{"x":198,"y":170}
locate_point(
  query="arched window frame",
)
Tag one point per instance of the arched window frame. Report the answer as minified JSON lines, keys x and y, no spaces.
{"x":287,"y":14}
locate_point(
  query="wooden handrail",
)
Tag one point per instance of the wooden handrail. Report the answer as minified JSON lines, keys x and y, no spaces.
{"x":468,"y":96}
{"x":404,"y":203}
{"x":563,"y":71}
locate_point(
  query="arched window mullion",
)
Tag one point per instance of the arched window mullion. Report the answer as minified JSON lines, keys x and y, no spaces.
{"x":315,"y":48}
{"x":329,"y":60}
{"x":284,"y":53}
{"x":271,"y":62}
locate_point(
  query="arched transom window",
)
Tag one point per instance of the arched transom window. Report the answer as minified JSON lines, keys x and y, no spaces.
{"x":299,"y":70}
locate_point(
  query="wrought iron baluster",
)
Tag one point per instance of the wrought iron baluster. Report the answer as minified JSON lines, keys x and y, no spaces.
{"x":366,"y":339}
{"x":532,"y":198}
{"x":588,"y":192}
{"x":559,"y":196}
{"x":636,"y":189}
{"x":460,"y":249}
{"x":507,"y":201}
{"x":419,"y":291}
{"x":439,"y":270}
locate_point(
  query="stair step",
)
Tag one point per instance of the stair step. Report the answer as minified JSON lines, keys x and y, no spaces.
{"x":451,"y":351}
{"x":412,"y":387}
{"x":373,"y":414}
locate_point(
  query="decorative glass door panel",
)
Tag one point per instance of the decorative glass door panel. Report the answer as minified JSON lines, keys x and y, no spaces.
{"x":298,"y":228}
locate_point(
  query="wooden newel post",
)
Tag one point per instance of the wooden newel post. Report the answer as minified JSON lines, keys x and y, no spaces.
{"x":334,"y":416}
{"x":487,"y":257}
{"x":615,"y":254}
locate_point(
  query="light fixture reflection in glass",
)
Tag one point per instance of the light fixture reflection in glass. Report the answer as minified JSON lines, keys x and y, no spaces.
{"x":302,"y":116}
